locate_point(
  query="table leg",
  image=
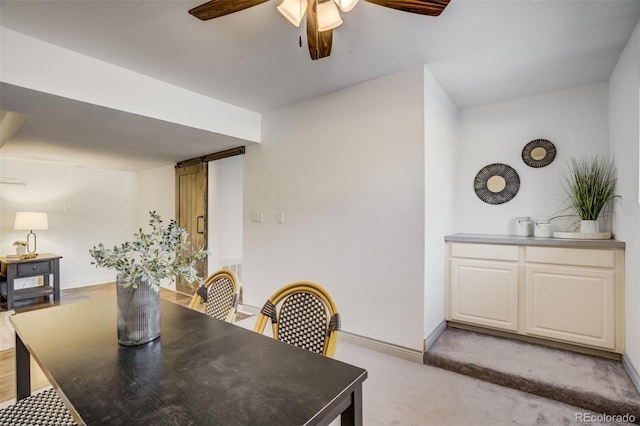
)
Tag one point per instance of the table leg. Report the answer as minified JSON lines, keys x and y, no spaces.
{"x":353,"y":414}
{"x":9,"y":290}
{"x":56,"y":280}
{"x":23,"y":370}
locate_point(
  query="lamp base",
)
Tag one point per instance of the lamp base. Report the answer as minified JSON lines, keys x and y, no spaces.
{"x":35,"y":241}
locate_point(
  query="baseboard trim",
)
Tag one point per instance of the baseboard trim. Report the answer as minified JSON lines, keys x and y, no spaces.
{"x":631,"y":371}
{"x":431,"y":338}
{"x":87,"y":282}
{"x":382,"y":347}
{"x":366,"y":342}
{"x":248,"y":309}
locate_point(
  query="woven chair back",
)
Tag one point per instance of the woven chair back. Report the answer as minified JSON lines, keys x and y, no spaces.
{"x":302,"y":314}
{"x":219,"y":296}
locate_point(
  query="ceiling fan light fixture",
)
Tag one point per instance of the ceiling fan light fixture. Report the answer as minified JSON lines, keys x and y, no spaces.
{"x":322,"y":16}
{"x":346,"y":5}
{"x":328,"y":16}
{"x":293,"y":10}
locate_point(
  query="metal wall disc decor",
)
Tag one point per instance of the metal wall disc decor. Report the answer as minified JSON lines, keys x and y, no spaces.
{"x":538,"y":153}
{"x":496,"y":183}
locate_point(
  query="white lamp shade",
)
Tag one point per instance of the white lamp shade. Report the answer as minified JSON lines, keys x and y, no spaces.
{"x":31,"y":221}
{"x":293,"y":10}
{"x":328,"y":16}
{"x":346,"y":5}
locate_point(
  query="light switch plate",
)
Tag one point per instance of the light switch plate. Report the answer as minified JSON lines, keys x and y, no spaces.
{"x":258,"y":216}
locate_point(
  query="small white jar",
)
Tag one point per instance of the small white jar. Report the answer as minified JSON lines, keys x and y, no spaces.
{"x":523,"y":226}
{"x":542,"y":227}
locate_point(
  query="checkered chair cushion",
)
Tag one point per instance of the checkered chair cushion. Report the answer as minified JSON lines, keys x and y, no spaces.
{"x":220,"y":298}
{"x":303,"y":322}
{"x":42,"y":409}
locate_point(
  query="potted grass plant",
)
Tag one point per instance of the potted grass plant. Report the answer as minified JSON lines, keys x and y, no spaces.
{"x":142,"y":264}
{"x":591,"y":189}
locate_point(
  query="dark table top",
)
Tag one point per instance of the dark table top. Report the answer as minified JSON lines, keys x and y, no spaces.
{"x":201,"y":371}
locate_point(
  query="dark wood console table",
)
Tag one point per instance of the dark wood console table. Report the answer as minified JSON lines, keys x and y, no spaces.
{"x":45,"y":265}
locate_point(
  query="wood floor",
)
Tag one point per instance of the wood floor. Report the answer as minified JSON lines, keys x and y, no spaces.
{"x":38,"y":379}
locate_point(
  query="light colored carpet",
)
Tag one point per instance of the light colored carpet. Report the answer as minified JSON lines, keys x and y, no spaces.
{"x":404,"y":393}
{"x":7,"y":337}
{"x":400,"y":392}
{"x":587,"y":381}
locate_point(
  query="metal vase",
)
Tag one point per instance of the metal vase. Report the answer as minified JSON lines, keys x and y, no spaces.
{"x":138,"y":313}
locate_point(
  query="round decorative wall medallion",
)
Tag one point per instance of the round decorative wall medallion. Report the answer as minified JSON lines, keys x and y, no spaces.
{"x":496,"y":183}
{"x":538,"y":153}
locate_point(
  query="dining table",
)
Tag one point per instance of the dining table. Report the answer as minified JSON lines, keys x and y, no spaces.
{"x":200,"y":371}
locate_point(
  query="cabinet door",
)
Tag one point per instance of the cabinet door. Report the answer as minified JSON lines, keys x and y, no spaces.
{"x":485,"y":293}
{"x":571,"y":304}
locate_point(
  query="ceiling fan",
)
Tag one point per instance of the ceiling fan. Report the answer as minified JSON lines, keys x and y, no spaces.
{"x":322,"y":15}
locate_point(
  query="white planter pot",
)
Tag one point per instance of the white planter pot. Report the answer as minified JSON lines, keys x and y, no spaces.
{"x":589,"y":226}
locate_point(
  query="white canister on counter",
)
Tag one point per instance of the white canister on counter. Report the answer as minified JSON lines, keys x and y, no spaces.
{"x":542,"y":227}
{"x":523,"y":226}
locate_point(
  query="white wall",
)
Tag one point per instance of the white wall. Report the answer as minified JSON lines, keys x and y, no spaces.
{"x":101,"y":207}
{"x":575,"y":120}
{"x":347,"y":170}
{"x":440,"y":129}
{"x":225,"y":211}
{"x":624,"y":132}
{"x":156,"y":191}
{"x":108,"y":206}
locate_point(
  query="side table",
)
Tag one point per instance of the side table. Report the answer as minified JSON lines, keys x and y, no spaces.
{"x":45,"y":265}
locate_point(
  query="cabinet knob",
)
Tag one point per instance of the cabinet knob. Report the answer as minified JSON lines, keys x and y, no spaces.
{"x":34,"y":268}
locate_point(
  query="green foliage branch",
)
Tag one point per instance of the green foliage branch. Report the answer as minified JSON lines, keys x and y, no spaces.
{"x":163,"y":253}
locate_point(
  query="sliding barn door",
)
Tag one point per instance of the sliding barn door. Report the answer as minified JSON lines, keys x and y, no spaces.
{"x":191,"y":213}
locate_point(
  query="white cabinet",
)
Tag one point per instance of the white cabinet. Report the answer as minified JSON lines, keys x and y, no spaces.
{"x":571,"y":304}
{"x":485,"y":293}
{"x":568,"y":294}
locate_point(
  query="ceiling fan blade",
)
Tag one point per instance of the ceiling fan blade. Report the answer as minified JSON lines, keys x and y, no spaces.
{"x":217,"y":8}
{"x":319,"y":41}
{"x":423,"y":7}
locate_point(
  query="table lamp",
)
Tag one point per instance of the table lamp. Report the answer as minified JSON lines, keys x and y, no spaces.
{"x":30,"y":221}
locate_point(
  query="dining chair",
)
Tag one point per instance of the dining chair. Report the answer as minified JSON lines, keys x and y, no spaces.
{"x":302,"y":314}
{"x":219,"y":295}
{"x":43,"y":408}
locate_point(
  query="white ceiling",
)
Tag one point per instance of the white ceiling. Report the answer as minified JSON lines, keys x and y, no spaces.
{"x":480,"y":51}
